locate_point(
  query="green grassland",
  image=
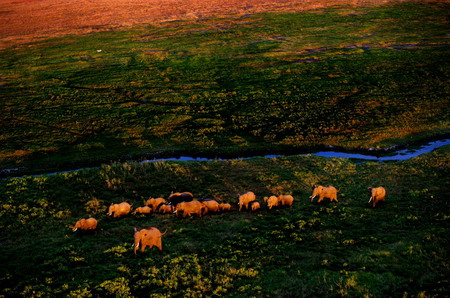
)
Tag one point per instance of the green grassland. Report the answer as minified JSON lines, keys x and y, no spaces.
{"x":356,"y":78}
{"x":398,"y":249}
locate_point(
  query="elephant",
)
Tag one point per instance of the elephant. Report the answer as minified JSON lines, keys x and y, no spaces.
{"x":85,"y":224}
{"x":155,"y":203}
{"x":211,"y":205}
{"x":324,"y":192}
{"x":224,"y":207}
{"x":377,"y":194}
{"x":285,"y":200}
{"x":142,"y":210}
{"x":119,"y":209}
{"x":271,"y":201}
{"x":147,"y":237}
{"x":165,"y":208}
{"x":176,"y":198}
{"x":255,"y":205}
{"x":245,"y":199}
{"x":191,"y":208}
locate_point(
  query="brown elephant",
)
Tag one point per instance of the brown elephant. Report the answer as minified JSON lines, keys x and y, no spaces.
{"x":377,"y":194}
{"x":147,"y":237}
{"x":165,"y":208}
{"x":155,"y":203}
{"x":119,"y":209}
{"x":285,"y":200}
{"x":271,"y":201}
{"x":224,"y":207}
{"x":190,"y":208}
{"x":85,"y":224}
{"x":255,"y":205}
{"x":324,"y":192}
{"x":142,"y":210}
{"x":211,"y":205}
{"x":245,"y":199}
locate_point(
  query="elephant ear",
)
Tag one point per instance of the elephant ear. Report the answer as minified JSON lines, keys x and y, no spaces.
{"x":314,"y":186}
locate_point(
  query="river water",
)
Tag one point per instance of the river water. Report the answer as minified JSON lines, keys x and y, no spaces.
{"x":398,"y":155}
{"x":395,"y":156}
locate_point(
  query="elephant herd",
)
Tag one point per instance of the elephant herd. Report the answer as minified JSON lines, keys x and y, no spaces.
{"x":185,"y":204}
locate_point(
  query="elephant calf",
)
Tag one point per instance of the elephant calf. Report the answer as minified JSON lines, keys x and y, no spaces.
{"x":271,"y":201}
{"x":211,"y":205}
{"x":255,"y":205}
{"x":142,"y":210}
{"x":224,"y":207}
{"x":165,"y":208}
{"x":285,"y":200}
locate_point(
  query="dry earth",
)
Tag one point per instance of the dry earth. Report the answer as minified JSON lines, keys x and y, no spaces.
{"x":23,"y":21}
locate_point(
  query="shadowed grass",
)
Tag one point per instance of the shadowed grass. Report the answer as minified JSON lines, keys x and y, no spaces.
{"x":310,"y":249}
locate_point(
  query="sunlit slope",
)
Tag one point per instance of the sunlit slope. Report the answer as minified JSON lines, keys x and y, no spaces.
{"x":349,"y":77}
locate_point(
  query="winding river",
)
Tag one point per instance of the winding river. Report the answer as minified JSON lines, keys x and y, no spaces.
{"x":399,"y":155}
{"x":395,"y":156}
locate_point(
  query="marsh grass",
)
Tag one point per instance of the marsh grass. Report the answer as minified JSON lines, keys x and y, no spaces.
{"x":352,"y":77}
{"x":329,"y":249}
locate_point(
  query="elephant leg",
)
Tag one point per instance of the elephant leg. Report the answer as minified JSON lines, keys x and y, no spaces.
{"x":320,"y":199}
{"x":143,"y":246}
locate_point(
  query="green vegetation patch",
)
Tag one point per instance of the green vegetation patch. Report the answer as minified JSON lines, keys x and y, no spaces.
{"x":329,"y":249}
{"x":351,"y":77}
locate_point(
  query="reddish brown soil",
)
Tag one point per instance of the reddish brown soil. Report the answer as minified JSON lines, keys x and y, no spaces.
{"x":28,"y":20}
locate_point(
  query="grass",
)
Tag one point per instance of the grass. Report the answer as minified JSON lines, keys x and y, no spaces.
{"x":399,"y":248}
{"x":356,"y":78}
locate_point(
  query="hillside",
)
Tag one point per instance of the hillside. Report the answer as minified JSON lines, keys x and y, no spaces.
{"x":353,"y":78}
